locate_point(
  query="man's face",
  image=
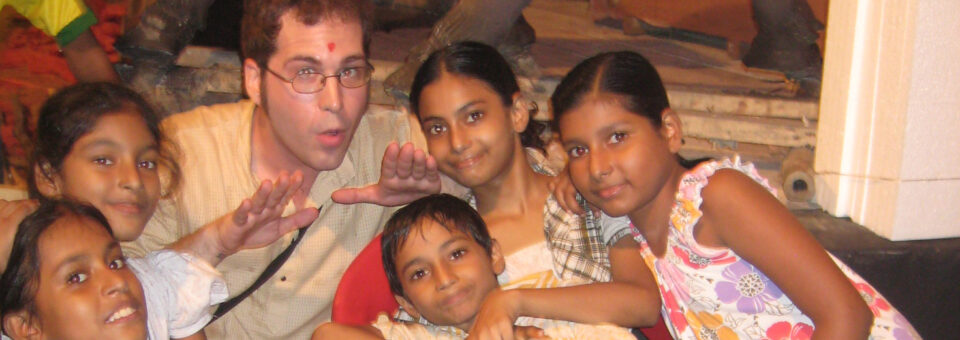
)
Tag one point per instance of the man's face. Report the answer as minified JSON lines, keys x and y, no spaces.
{"x":314,"y":128}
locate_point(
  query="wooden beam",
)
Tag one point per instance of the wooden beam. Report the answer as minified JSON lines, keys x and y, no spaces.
{"x":769,"y":131}
{"x":743,"y":105}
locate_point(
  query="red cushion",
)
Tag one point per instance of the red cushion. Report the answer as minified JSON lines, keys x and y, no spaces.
{"x":657,"y":332}
{"x":363,"y":291}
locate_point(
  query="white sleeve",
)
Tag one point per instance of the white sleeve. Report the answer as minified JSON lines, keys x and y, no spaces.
{"x":613,"y":229}
{"x":181,"y":288}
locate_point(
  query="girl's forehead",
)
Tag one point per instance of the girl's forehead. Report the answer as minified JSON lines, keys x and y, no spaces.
{"x":72,"y":231}
{"x":596,"y":106}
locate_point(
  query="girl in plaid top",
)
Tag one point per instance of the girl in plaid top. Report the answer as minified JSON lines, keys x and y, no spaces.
{"x":477,"y":125}
{"x":730,"y":261}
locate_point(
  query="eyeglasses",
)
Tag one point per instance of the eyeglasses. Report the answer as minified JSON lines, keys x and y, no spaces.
{"x":312,"y":82}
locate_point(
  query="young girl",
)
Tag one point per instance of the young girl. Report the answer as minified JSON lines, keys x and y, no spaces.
{"x":477,"y":125}
{"x":731,"y":262}
{"x":68,"y":279}
{"x":101,"y":144}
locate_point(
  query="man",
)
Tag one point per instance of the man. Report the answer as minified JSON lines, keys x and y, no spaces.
{"x":307,"y":76}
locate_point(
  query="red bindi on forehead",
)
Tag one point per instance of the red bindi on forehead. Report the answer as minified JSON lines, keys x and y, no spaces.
{"x":331,"y":47}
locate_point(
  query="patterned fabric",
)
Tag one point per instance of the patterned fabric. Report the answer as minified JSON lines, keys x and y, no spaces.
{"x":215,"y":162}
{"x":712,"y":293}
{"x":575,"y":243}
{"x":398,"y":330}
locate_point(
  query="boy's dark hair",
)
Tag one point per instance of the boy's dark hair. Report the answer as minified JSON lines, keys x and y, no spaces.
{"x":74,"y":110}
{"x":261,"y":22}
{"x":18,"y":284}
{"x":477,"y":61}
{"x":447,"y":210}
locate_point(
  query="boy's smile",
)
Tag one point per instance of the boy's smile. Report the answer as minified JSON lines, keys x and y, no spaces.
{"x":445,"y":274}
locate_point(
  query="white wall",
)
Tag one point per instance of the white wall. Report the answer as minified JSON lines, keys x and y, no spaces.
{"x":888,"y":139}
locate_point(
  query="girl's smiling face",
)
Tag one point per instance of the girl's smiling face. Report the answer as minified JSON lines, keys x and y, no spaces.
{"x":469,"y":130}
{"x":619,"y":160}
{"x":114,"y":168}
{"x":85,"y":290}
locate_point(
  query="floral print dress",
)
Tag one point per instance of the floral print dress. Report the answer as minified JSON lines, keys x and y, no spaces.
{"x":712,"y":293}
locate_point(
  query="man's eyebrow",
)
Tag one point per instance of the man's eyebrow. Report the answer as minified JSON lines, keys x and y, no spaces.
{"x":354,"y":58}
{"x":302,"y":58}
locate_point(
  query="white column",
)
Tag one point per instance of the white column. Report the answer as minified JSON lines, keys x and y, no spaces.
{"x":888,"y":139}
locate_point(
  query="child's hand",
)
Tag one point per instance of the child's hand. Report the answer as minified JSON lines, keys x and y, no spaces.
{"x":566,"y":194}
{"x":406,"y":174}
{"x":529,"y":333}
{"x":11,"y":213}
{"x":496,"y":316}
{"x":257,"y":222}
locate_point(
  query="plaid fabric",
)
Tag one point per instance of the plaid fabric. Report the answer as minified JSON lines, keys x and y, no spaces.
{"x":576,"y":243}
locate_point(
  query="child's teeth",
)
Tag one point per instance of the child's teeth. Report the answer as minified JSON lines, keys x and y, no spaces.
{"x":121,"y":314}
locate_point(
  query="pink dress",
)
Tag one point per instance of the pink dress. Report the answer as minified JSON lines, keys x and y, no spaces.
{"x":712,"y":293}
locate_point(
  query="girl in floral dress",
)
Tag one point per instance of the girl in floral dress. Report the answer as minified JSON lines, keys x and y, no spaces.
{"x":730,"y":261}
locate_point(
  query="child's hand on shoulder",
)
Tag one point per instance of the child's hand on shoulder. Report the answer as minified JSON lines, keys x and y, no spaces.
{"x":499,"y":311}
{"x":11,"y":213}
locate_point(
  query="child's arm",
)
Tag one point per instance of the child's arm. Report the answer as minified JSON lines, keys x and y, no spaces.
{"x":630,"y":300}
{"x":257,"y":222}
{"x":87,"y":60}
{"x":332,"y":330}
{"x":740,"y":214}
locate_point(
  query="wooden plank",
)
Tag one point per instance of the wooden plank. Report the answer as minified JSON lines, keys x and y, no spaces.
{"x":764,"y":156}
{"x":769,"y":131}
{"x":683,"y":98}
{"x":744,"y":105}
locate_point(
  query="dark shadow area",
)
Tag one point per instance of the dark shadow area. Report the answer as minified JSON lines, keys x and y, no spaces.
{"x":920,"y":278}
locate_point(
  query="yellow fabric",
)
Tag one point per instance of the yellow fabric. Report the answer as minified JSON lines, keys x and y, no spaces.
{"x":51,"y":16}
{"x":215,"y":160}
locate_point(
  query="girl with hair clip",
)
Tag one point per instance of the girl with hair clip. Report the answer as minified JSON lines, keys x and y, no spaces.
{"x":731,"y":261}
{"x":479,"y":129}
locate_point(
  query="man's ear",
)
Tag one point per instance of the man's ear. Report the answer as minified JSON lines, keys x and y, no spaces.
{"x":496,"y":258}
{"x":520,"y":112}
{"x":671,"y":129}
{"x":251,"y":80}
{"x":47,"y":179}
{"x":407,"y":306}
{"x":19,"y":325}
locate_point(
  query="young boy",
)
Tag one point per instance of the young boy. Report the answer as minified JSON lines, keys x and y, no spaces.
{"x":441,"y":264}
